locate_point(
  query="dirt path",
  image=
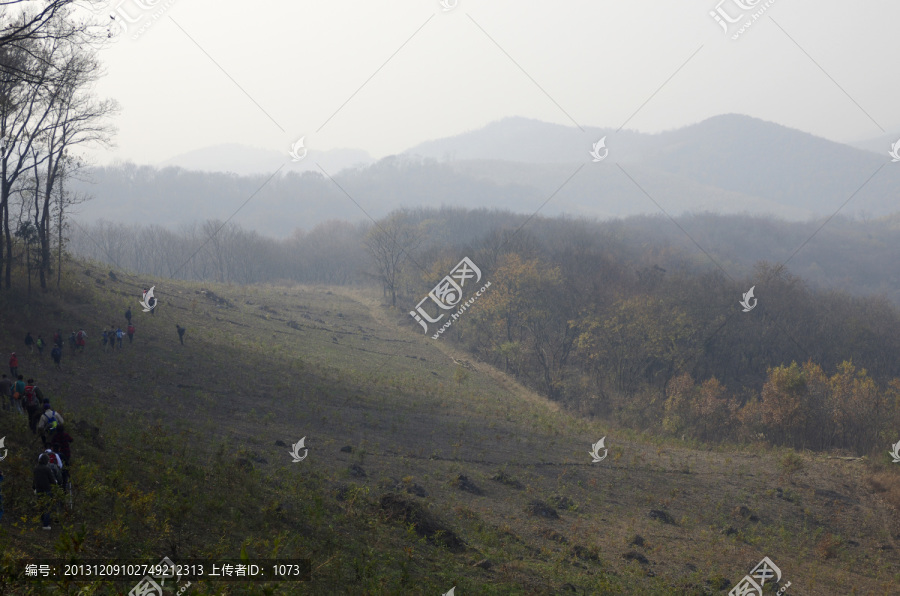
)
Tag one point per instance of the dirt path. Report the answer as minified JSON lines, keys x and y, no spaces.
{"x":383,"y":317}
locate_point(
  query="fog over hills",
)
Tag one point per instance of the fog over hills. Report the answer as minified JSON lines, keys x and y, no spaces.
{"x":246,"y":161}
{"x":728,"y":164}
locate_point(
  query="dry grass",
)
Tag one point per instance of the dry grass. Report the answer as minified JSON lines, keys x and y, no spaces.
{"x":333,"y":365}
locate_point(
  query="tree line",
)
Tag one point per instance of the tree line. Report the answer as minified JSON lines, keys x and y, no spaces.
{"x":227,"y":253}
{"x":48,"y":65}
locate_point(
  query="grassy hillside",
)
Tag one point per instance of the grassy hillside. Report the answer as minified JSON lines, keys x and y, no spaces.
{"x":425,"y":471}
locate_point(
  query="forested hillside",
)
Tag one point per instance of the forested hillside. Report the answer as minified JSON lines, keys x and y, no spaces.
{"x":627,"y":319}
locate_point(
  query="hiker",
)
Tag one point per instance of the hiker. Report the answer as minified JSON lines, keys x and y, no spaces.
{"x":18,"y":389}
{"x":57,"y":338}
{"x":128,"y":315}
{"x":48,"y":423}
{"x":181,"y":331}
{"x":53,"y":460}
{"x":130,"y":333}
{"x":32,"y":397}
{"x":73,"y":343}
{"x":104,"y":337}
{"x":152,"y":304}
{"x":56,"y":354}
{"x":29,"y":342}
{"x":80,"y":339}
{"x":59,"y":442}
{"x":43,"y":482}
{"x":13,"y":365}
{"x":39,"y":342}
{"x":60,"y":471}
{"x":120,"y":335}
{"x":6,"y":394}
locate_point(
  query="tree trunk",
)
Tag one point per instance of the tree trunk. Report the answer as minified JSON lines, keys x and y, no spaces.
{"x":43,"y":225}
{"x":3,"y":216}
{"x":8,"y":275}
{"x":59,"y":241}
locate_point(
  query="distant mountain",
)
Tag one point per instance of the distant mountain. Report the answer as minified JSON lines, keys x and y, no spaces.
{"x":530,"y":141}
{"x":728,"y":164}
{"x":789,"y":172}
{"x":276,"y":207}
{"x":245,"y":161}
{"x":787,"y":166}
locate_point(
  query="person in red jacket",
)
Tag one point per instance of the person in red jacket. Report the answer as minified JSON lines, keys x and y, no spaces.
{"x":81,"y":339}
{"x":130,"y":333}
{"x":14,"y":365}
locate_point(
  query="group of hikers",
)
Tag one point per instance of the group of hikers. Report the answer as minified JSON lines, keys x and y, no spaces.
{"x":77,"y":340}
{"x":25,"y":398}
{"x":113,"y":337}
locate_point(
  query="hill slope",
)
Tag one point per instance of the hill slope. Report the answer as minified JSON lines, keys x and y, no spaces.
{"x":454,"y":476}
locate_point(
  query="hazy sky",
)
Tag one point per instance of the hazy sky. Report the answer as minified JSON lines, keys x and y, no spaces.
{"x":195,"y":76}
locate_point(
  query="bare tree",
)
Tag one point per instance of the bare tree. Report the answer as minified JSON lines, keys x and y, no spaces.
{"x":20,"y":118}
{"x":390,"y":243}
{"x":76,"y":117}
{"x":46,"y":60}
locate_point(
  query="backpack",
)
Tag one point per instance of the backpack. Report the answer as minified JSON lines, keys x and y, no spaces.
{"x":16,"y":393}
{"x":40,"y":343}
{"x":53,"y":458}
{"x":52,"y":422}
{"x":131,"y":330}
{"x":55,"y":352}
{"x":31,"y":396}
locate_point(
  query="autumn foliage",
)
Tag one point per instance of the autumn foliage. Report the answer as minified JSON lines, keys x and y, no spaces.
{"x":655,"y":338}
